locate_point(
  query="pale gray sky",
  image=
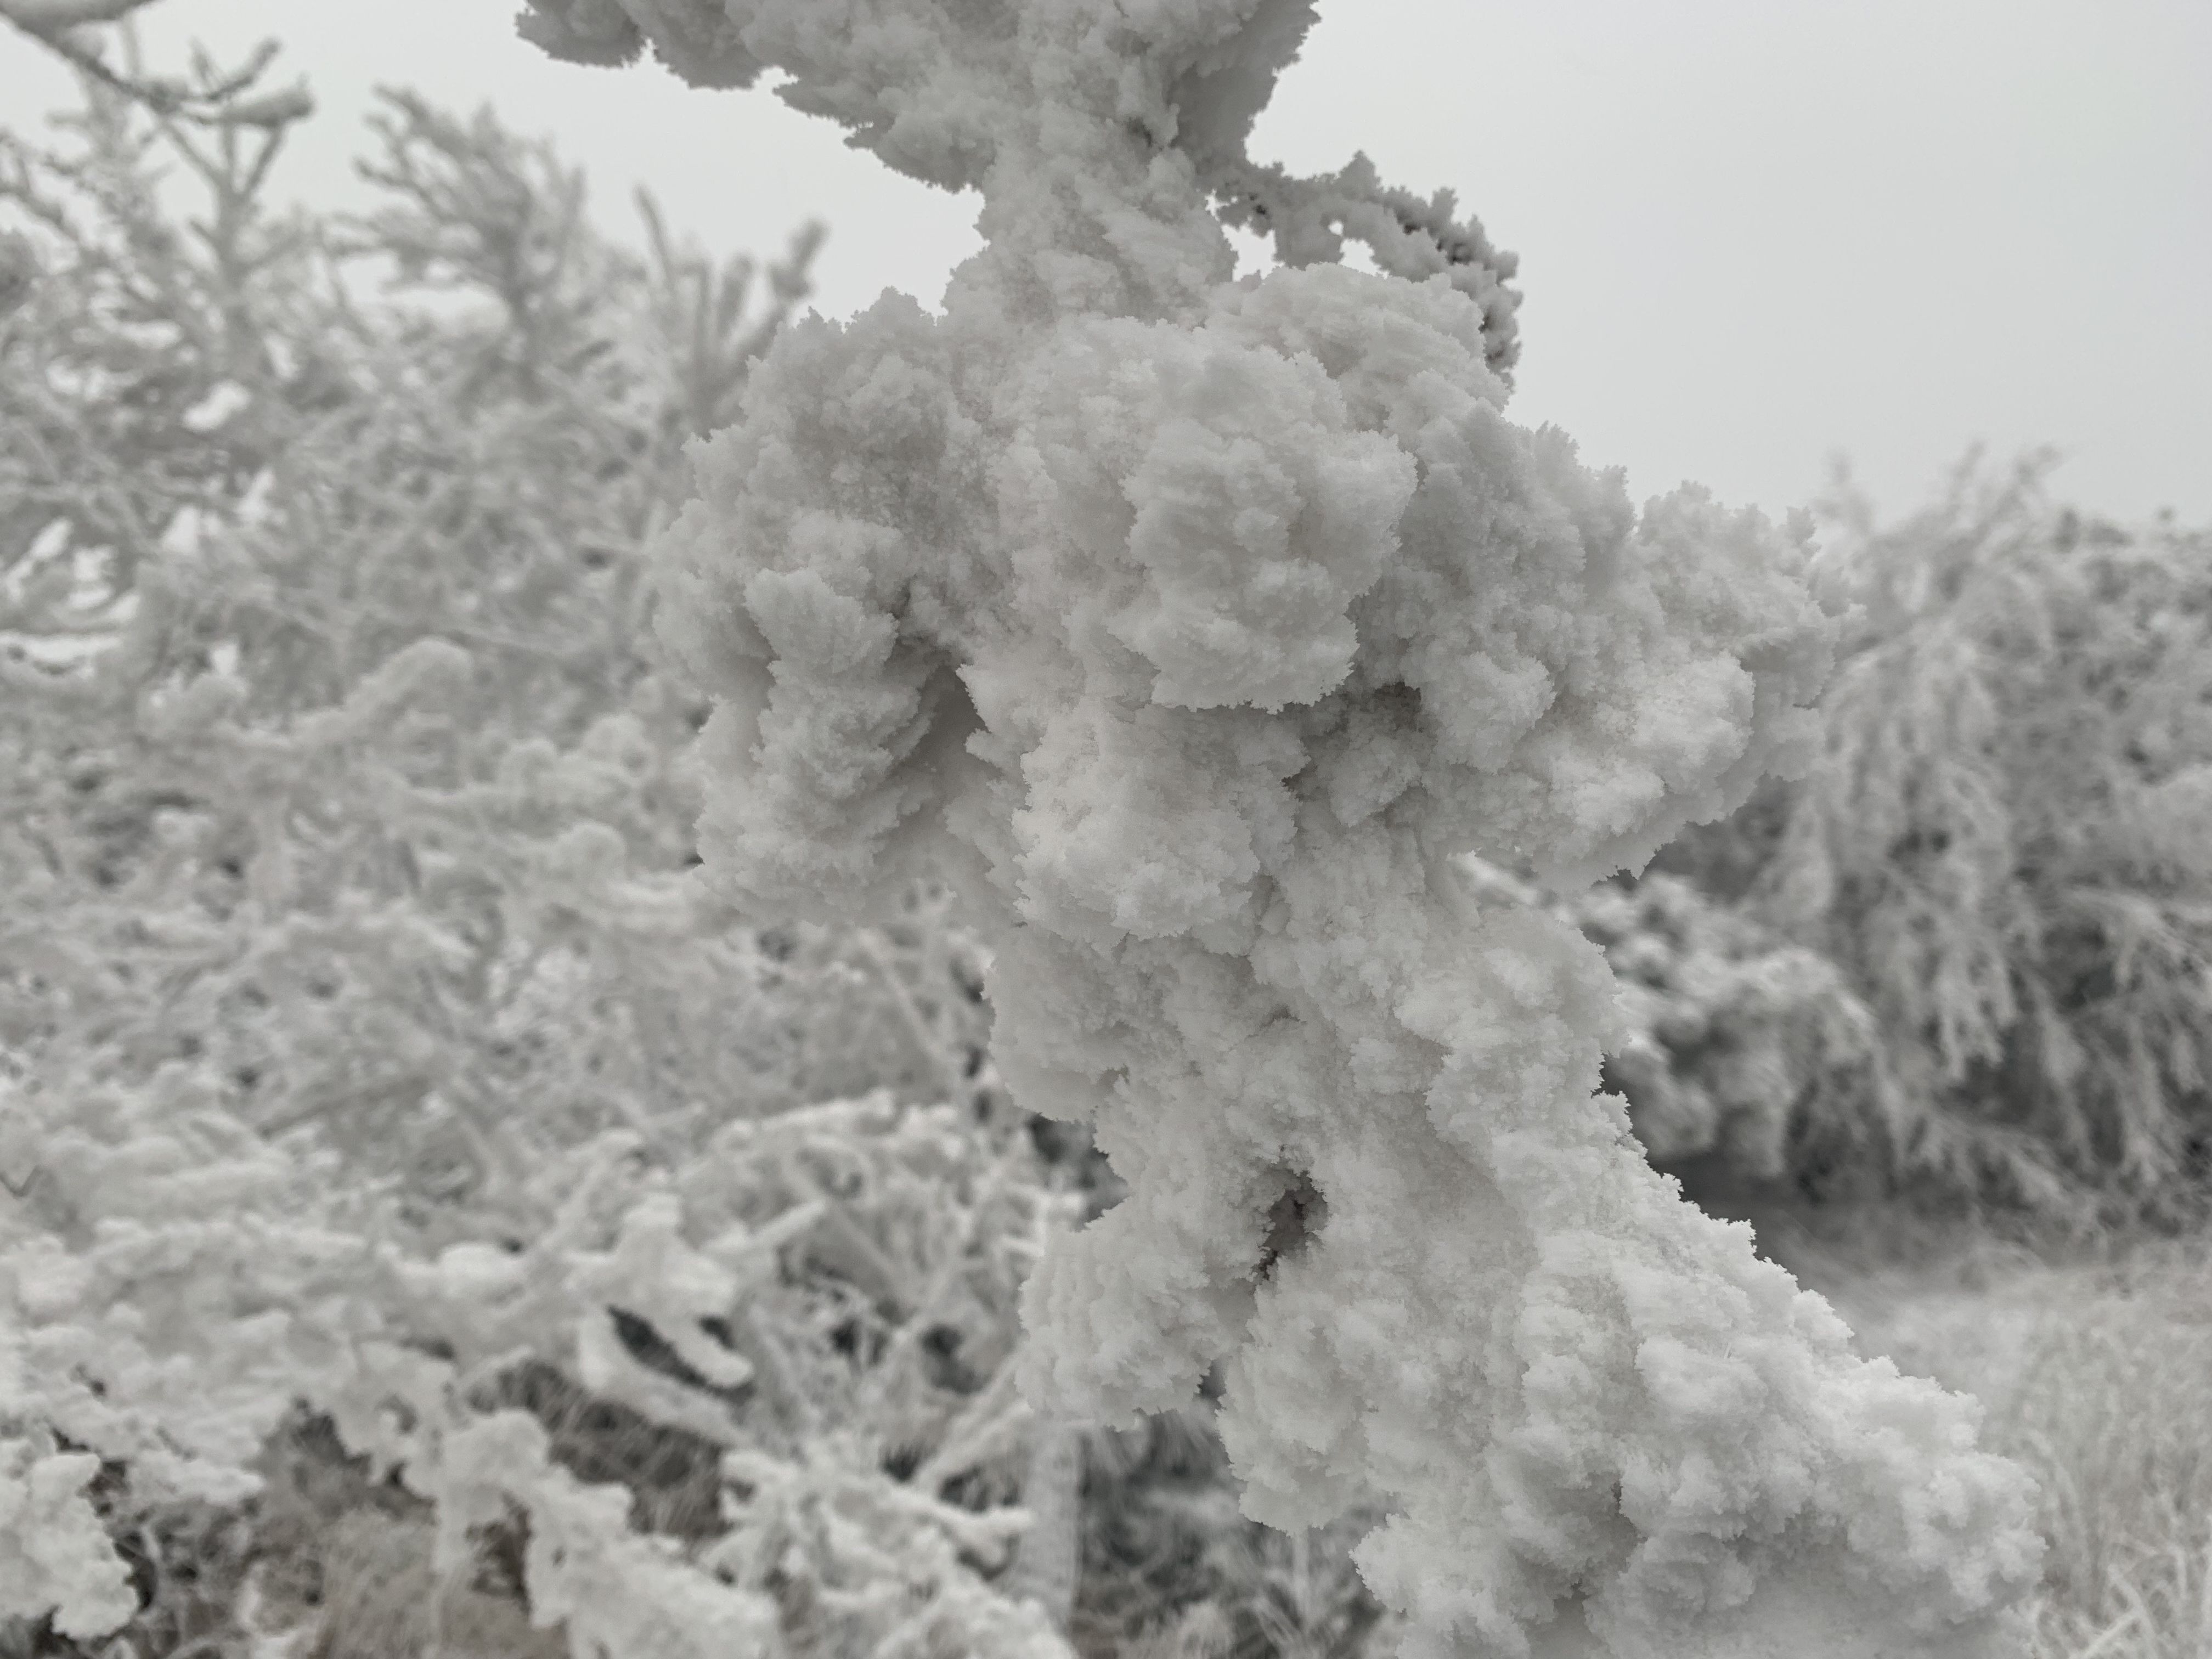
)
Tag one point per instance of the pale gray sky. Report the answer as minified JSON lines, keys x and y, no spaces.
{"x":1754,"y":233}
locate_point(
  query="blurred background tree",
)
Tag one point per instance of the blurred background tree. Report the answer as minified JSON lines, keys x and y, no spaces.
{"x":1971,"y":954}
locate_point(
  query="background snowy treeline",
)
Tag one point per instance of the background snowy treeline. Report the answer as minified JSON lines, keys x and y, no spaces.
{"x":417,"y":1186}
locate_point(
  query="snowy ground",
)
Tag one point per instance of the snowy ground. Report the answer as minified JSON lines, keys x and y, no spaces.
{"x":2095,"y":1365}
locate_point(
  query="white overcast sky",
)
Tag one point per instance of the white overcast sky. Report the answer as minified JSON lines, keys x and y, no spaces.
{"x":1753,"y":233}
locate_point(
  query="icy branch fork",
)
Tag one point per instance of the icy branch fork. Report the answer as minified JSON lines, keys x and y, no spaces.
{"x":1195,"y":627}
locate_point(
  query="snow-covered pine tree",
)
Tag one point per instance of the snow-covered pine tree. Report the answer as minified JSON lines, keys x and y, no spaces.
{"x":361,"y":1050}
{"x":1196,"y":628}
{"x":1964,"y":958}
{"x":2005,"y":848}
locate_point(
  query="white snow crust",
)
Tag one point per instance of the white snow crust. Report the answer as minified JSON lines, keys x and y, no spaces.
{"x":1196,"y":627}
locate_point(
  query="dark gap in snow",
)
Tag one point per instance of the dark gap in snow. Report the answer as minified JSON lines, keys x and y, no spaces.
{"x":1294,"y":1217}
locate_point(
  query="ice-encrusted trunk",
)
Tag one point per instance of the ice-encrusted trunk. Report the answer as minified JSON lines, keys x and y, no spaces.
{"x":1196,"y":627}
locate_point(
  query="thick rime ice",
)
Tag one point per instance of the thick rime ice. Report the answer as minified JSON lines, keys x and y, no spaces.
{"x":1196,"y":627}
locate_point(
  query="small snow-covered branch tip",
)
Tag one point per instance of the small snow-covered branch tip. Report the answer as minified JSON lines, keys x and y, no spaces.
{"x":1196,"y":628}
{"x":211,"y":98}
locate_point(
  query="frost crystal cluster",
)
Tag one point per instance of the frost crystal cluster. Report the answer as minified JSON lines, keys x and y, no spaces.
{"x":1196,"y":627}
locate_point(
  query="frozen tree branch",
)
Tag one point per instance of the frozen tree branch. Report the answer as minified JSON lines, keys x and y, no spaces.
{"x":1196,"y":629}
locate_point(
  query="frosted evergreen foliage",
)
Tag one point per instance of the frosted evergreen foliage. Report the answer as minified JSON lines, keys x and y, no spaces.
{"x":1196,"y":628}
{"x":364,"y":1052}
{"x":1964,"y":955}
{"x":2004,"y":846}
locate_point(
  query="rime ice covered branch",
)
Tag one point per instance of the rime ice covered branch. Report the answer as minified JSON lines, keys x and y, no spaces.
{"x":1196,"y":628}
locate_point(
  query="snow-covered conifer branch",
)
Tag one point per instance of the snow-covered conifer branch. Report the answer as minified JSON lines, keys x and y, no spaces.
{"x":365,"y":1053}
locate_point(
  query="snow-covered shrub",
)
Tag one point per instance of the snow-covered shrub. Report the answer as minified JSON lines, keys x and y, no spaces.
{"x":2002,"y":854}
{"x":2006,"y":845}
{"x":1735,"y":1041}
{"x":343,"y":733}
{"x":1195,"y":628}
{"x":366,"y":1051}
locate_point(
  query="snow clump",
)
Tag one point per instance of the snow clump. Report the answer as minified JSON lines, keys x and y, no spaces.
{"x":1197,"y":627}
